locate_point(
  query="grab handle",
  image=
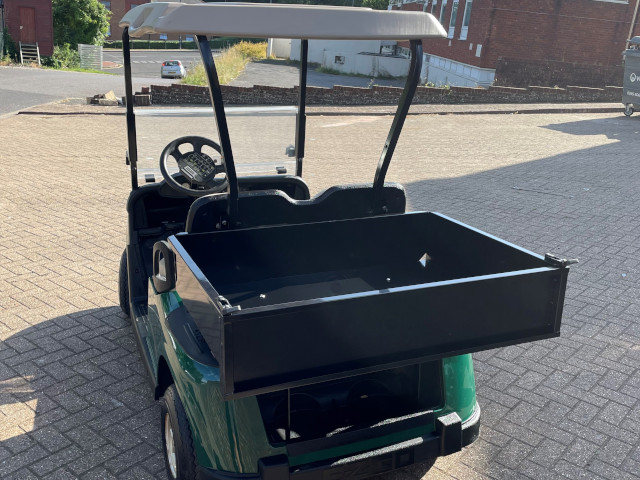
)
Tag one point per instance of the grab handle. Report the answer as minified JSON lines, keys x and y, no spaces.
{"x":164,"y":267}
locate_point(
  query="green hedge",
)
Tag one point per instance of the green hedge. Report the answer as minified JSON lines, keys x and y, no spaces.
{"x":216,"y":43}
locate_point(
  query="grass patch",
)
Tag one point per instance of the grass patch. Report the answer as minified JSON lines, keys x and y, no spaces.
{"x":229,"y":64}
{"x":78,"y":69}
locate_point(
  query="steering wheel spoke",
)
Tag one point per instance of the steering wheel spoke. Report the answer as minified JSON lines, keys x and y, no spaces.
{"x":198,"y":168}
{"x":197,"y":146}
{"x":175,"y":154}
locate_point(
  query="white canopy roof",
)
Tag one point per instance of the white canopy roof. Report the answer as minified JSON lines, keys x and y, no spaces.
{"x":265,"y":20}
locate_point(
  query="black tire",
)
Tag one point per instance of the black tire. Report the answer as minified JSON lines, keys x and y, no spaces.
{"x":172,"y":413}
{"x":123,"y":285}
{"x":628,"y":110}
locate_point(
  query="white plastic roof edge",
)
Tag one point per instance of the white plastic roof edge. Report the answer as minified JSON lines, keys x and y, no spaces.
{"x":272,"y":20}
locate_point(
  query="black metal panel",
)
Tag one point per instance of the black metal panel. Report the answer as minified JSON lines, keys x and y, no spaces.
{"x":221,"y":122}
{"x":301,"y":118}
{"x":631,"y":81}
{"x":131,"y":119}
{"x":315,"y":302}
{"x":328,"y":339}
{"x":398,"y":121}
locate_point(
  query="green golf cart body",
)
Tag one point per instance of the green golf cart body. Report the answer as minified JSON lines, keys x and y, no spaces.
{"x":281,"y":342}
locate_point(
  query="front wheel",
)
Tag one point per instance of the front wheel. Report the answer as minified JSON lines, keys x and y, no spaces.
{"x":628,"y":109}
{"x":179,"y":456}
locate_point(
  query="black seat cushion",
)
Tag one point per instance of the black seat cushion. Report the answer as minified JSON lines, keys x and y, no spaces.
{"x":273,"y":207}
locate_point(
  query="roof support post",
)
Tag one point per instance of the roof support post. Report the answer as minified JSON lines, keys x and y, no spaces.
{"x":301,"y":117}
{"x":396,"y":127}
{"x":132,"y":152}
{"x":223,"y":130}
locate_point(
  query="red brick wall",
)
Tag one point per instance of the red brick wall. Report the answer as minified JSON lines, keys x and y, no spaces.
{"x":118,"y":10}
{"x":571,"y":31}
{"x":44,"y":22}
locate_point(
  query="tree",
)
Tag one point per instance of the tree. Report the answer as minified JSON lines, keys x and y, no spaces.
{"x":79,"y":21}
{"x":376,"y":4}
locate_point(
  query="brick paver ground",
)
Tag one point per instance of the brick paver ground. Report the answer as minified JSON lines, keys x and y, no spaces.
{"x":74,"y":399}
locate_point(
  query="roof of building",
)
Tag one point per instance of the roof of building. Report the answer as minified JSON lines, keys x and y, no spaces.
{"x":272,"y":20}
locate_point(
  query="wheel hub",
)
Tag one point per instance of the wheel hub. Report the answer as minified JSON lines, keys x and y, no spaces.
{"x":170,"y":446}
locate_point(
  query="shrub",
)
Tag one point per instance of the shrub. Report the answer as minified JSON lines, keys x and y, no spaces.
{"x":10,"y":49}
{"x":229,"y":64}
{"x":251,"y":50}
{"x":64,"y":57}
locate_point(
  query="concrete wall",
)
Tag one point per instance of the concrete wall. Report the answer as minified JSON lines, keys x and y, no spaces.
{"x":317,"y":48}
{"x":362,"y":64}
{"x":443,"y":71}
{"x":281,"y":47}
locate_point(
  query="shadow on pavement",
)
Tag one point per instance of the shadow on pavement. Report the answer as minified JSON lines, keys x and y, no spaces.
{"x":76,"y":402}
{"x":585,"y":204}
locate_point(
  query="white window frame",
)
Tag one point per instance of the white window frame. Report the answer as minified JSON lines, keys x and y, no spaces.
{"x":442,"y":11}
{"x":453,"y":18}
{"x":465,"y":28}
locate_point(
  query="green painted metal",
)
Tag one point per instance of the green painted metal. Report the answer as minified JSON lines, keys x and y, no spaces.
{"x":230,"y":436}
{"x":459,"y":386}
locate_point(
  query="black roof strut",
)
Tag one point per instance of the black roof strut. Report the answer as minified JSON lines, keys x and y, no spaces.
{"x":132,"y":152}
{"x":396,"y":127}
{"x":223,"y":129}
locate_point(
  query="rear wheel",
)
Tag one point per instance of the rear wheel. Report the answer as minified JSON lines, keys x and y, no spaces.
{"x":179,"y":457}
{"x":628,"y":109}
{"x":123,"y":284}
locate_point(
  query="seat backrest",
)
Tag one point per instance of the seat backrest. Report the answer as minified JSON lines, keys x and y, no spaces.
{"x":293,"y":186}
{"x":273,"y":207}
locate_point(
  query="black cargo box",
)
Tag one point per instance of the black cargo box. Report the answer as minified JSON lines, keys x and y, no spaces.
{"x":283,"y":306}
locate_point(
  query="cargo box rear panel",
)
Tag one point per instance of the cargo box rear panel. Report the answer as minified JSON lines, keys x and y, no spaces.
{"x":291,"y":305}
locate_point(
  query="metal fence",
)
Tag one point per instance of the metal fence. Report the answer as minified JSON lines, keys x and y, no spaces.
{"x":90,"y":56}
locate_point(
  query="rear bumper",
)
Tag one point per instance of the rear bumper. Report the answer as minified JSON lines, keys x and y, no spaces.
{"x":451,"y":436}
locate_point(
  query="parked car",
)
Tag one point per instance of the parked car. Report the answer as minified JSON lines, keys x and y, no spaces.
{"x":172,"y":69}
{"x":298,"y":338}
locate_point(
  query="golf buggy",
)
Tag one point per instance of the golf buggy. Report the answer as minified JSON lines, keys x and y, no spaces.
{"x":282,"y":341}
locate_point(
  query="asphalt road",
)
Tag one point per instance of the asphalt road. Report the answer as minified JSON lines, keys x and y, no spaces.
{"x":146,"y":63}
{"x":22,"y":87}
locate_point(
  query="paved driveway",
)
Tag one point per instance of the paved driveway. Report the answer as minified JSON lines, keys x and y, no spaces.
{"x":74,"y":402}
{"x":279,"y":73}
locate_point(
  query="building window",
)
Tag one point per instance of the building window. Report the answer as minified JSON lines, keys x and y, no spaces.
{"x":133,"y":5}
{"x":452,"y":22}
{"x":433,"y":7}
{"x":442,"y":9}
{"x":107,"y":5}
{"x":465,"y":20}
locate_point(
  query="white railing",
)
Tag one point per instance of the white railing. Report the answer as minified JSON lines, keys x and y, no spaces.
{"x":90,"y":56}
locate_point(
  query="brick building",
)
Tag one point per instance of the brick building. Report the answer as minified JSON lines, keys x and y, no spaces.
{"x":119,"y":7}
{"x":528,"y":42}
{"x":30,"y":22}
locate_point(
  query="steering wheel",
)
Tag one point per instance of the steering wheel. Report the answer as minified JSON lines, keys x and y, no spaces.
{"x":197,"y":167}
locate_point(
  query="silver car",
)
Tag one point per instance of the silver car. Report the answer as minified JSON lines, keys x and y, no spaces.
{"x":172,"y":69}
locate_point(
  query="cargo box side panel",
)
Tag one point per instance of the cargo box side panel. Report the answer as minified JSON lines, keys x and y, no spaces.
{"x":199,"y":298}
{"x":273,"y":348}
